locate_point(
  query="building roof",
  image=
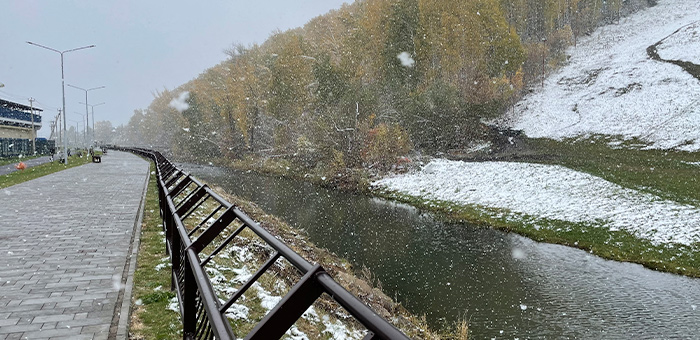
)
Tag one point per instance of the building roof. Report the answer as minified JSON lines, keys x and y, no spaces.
{"x":16,"y":106}
{"x":14,"y":114}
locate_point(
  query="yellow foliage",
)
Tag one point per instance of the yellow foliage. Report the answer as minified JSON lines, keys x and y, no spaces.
{"x":384,"y":144}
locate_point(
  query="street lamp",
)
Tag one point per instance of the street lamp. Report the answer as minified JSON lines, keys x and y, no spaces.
{"x":92,"y":107}
{"x":63,"y":89}
{"x":86,"y":103}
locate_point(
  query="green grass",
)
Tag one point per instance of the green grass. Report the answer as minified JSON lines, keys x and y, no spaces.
{"x":660,"y":172}
{"x":20,"y":176}
{"x":152,"y":319}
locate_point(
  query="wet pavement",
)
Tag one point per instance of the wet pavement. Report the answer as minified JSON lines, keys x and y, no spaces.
{"x":68,"y":250}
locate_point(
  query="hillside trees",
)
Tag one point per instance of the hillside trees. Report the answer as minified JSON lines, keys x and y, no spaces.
{"x":548,"y":27}
{"x":471,"y":60}
{"x":373,"y":76}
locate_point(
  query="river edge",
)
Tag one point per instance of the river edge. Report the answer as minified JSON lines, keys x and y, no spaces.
{"x":358,"y":281}
{"x":603,"y":242}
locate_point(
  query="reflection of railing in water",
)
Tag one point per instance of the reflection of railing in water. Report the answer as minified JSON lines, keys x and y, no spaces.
{"x":203,"y":315}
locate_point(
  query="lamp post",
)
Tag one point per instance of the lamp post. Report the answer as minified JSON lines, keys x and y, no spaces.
{"x":86,"y":105}
{"x":63,"y":89}
{"x":92,"y":108}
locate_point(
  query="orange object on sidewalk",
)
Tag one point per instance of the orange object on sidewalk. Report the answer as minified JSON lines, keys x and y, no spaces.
{"x":21,"y":166}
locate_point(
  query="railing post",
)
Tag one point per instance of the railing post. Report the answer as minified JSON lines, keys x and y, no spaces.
{"x":167,"y":221}
{"x":189,"y":304}
{"x":175,"y":258}
{"x":161,"y":198}
{"x":169,"y":227}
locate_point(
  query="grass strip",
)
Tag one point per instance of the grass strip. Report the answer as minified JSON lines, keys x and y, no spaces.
{"x":668,"y":174}
{"x":34,"y":172}
{"x":150,"y":316}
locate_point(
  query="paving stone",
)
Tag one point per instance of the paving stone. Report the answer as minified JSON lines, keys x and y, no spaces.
{"x":66,"y":333}
{"x":19,"y":329}
{"x":66,"y":238}
{"x":8,"y":322}
{"x":53,"y":318}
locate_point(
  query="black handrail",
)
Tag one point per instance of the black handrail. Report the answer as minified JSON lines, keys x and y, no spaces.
{"x":187,"y":270}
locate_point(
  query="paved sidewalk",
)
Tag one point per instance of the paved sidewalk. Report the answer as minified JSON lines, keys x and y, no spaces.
{"x":64,"y":248}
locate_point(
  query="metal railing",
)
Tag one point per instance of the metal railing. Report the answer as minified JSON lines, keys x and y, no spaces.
{"x":203,"y":314}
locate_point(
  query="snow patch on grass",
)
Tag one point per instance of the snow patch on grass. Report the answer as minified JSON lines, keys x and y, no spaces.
{"x":339,"y":331}
{"x":174,"y":305}
{"x":237,"y":312}
{"x":267,"y":300}
{"x":552,"y":192}
{"x":161,"y":266}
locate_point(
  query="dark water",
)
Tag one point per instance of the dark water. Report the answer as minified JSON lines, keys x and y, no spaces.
{"x":507,"y":286}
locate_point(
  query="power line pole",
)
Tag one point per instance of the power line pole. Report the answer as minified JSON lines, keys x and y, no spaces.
{"x":31,"y":105}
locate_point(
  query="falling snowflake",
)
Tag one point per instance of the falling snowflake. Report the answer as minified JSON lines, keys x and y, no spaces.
{"x":406,"y":59}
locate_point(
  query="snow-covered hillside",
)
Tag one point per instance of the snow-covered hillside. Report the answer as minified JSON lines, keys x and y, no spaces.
{"x":552,"y":192}
{"x":611,"y":86}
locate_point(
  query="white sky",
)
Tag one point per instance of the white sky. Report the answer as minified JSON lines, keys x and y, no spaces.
{"x":142,"y":46}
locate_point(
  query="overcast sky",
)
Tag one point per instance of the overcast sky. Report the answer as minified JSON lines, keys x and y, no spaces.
{"x":141,"y":46}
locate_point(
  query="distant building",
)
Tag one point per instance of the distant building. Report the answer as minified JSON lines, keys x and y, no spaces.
{"x":16,"y":120}
{"x":17,"y":131}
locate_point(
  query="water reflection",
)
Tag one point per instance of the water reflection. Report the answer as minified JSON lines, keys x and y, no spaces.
{"x":507,"y":286}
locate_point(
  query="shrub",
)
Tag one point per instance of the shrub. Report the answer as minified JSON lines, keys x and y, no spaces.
{"x":384,"y":144}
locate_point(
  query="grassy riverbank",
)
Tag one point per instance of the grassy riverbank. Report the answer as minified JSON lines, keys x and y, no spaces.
{"x":20,"y":176}
{"x":347,"y":179}
{"x":666,"y":174}
{"x":610,"y":244}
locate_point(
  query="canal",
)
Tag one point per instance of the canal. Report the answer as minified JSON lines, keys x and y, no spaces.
{"x":505,"y":285}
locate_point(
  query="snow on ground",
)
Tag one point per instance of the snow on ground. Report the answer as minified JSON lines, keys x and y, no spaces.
{"x":676,"y":46}
{"x":612,"y":87}
{"x":552,"y":192}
